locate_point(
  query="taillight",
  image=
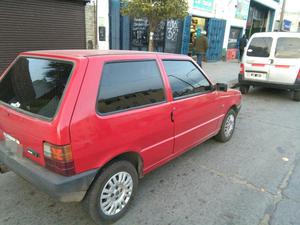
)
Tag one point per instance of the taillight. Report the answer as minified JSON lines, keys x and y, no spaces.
{"x":59,"y":159}
{"x":298,"y":78}
{"x":242,"y":68}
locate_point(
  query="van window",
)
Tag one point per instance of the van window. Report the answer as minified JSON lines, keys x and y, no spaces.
{"x":260,"y":47}
{"x":126,"y":85}
{"x":35,"y":85}
{"x":185,"y":78}
{"x":287,"y":48}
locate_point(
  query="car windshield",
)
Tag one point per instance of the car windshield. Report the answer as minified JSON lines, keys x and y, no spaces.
{"x":35,"y":85}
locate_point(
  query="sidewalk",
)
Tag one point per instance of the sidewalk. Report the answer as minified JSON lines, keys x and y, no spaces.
{"x":222,"y":72}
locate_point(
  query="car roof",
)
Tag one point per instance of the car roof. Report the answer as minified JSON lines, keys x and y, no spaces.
{"x":276,"y":34}
{"x":77,"y":53}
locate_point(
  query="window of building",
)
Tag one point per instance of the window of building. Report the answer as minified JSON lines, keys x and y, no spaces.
{"x":127,"y":85}
{"x":287,"y":48}
{"x":260,"y":47}
{"x":185,"y":78}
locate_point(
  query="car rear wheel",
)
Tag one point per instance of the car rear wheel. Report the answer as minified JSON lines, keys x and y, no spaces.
{"x":244,"y":89}
{"x":227,"y":127}
{"x":110,"y":195}
{"x":296,"y":96}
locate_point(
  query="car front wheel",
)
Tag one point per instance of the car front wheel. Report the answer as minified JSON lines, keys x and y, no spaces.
{"x":227,"y":127}
{"x":110,"y":195}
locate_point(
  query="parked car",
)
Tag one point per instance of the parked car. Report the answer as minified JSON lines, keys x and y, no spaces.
{"x":272,"y":59}
{"x":86,"y":125}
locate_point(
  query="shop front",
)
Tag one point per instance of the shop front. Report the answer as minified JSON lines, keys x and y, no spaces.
{"x":259,"y":18}
{"x":198,"y":24}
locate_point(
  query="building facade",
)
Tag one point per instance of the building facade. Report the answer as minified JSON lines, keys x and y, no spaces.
{"x":225,"y":21}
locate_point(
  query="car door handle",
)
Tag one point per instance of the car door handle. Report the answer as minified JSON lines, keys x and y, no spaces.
{"x":271,"y":61}
{"x":172,"y":116}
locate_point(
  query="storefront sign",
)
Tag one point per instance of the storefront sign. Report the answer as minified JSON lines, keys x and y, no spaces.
{"x":206,"y":5}
{"x":287,"y":25}
{"x":242,"y":9}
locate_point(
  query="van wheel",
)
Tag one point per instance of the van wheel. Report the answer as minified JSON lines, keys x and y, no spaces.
{"x":109,"y":197}
{"x":296,"y":96}
{"x":244,"y":89}
{"x":227,"y":127}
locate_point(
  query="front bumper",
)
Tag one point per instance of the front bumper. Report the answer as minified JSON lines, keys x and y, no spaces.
{"x":65,"y":189}
{"x":242,"y":81}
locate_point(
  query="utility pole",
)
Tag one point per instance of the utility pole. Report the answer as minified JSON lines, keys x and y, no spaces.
{"x":282,"y":15}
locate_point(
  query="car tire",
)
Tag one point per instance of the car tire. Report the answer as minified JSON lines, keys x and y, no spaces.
{"x":227,"y":128}
{"x":296,"y":96}
{"x":244,"y":89}
{"x":111,"y":193}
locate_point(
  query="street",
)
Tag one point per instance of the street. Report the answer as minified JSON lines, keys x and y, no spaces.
{"x":251,"y":180}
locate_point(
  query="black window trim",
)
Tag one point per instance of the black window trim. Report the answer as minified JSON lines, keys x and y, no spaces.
{"x":193,"y":94}
{"x":136,"y":107}
{"x":34,"y":115}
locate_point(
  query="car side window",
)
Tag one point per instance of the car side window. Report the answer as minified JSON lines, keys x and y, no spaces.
{"x":185,"y":78}
{"x":260,"y":47}
{"x":288,"y":47}
{"x":126,"y":85}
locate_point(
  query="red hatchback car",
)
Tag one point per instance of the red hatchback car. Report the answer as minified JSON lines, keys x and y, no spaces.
{"x":84,"y":125}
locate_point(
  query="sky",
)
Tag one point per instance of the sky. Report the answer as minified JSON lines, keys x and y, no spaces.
{"x":292,"y":6}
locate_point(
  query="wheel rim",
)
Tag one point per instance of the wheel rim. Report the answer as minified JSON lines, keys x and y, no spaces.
{"x":116,"y":193}
{"x":229,"y":125}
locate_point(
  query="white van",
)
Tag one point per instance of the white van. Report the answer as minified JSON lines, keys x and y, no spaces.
{"x":272,"y":59}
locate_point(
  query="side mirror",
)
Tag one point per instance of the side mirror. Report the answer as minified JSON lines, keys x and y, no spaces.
{"x":221,"y":87}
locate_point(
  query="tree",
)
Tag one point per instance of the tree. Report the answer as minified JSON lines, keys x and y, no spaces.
{"x":154,"y":11}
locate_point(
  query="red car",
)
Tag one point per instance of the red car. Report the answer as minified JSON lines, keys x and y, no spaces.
{"x":85,"y":125}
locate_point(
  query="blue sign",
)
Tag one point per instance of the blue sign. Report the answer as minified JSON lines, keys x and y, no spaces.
{"x":287,"y":25}
{"x":206,"y":5}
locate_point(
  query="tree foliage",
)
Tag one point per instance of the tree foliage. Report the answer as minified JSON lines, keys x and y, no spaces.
{"x":155,"y":11}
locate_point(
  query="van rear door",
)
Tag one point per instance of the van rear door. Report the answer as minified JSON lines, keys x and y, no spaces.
{"x":286,"y":62}
{"x":257,"y":59}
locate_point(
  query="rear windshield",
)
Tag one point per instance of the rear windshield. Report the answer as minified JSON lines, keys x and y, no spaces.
{"x":260,"y":47}
{"x":35,"y":85}
{"x":288,"y":48}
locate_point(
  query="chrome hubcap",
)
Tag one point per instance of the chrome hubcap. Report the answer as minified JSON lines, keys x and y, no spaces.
{"x":116,"y":193}
{"x":229,"y":125}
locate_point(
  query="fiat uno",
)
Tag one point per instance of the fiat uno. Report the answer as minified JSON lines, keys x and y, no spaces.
{"x":85,"y":125}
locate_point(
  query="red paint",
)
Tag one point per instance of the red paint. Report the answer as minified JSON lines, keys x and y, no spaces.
{"x":258,"y":64}
{"x":96,"y":139}
{"x":282,"y":66}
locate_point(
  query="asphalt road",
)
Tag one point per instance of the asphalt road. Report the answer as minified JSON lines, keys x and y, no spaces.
{"x":251,"y":180}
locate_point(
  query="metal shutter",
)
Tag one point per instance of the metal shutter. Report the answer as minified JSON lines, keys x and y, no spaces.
{"x":35,"y":25}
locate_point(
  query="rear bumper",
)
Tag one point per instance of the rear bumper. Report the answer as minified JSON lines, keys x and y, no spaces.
{"x":242,"y":81}
{"x":65,"y":189}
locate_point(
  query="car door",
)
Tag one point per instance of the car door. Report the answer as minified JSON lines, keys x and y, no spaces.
{"x":286,"y":60}
{"x":133,"y":113}
{"x":196,"y":109}
{"x":258,"y":59}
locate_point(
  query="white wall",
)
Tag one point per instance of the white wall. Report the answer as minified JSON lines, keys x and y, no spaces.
{"x":103,"y":20}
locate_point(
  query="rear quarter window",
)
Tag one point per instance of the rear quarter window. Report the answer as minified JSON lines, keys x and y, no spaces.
{"x":260,"y":47}
{"x":129,"y":85}
{"x":287,"y":48}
